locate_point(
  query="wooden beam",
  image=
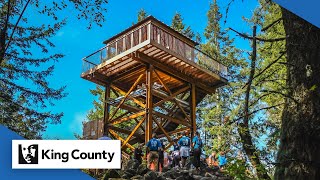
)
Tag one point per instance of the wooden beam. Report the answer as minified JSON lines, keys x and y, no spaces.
{"x":172,"y":96}
{"x":121,"y":139}
{"x":127,"y":94}
{"x":124,"y":75}
{"x":144,"y":58}
{"x":170,"y":93}
{"x":149,"y":108}
{"x":120,"y":120}
{"x":177,"y":121}
{"x":133,"y":131}
{"x":141,"y":127}
{"x":163,"y":130}
{"x":124,"y":93}
{"x":106,"y":110}
{"x":124,"y":131}
{"x":193,"y":110}
{"x":115,"y":92}
{"x":122,"y":115}
{"x":131,"y":109}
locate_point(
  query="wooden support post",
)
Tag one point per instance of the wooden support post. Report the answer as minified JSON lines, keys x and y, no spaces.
{"x":106,"y":110}
{"x":149,"y":104}
{"x":193,"y":110}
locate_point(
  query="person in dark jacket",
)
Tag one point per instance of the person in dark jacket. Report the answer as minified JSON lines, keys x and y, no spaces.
{"x":138,"y":153}
{"x":197,"y":145}
{"x":161,"y":157}
{"x":176,"y":154}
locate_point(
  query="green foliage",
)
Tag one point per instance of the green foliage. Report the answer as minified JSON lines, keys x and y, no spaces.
{"x":221,"y":113}
{"x":96,"y":113}
{"x":178,"y":25}
{"x":142,"y":14}
{"x":270,"y":86}
{"x":239,"y":169}
{"x":25,"y":92}
{"x":217,"y":110}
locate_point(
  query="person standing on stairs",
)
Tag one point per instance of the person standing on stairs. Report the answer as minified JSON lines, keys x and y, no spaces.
{"x":197,"y":145}
{"x":153,"y":147}
{"x":184,"y":144}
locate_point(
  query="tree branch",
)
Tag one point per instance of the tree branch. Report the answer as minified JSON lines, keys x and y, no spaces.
{"x":272,"y":24}
{"x":259,"y":39}
{"x":255,"y":111}
{"x":15,"y":26}
{"x":267,"y":67}
{"x":284,"y":95}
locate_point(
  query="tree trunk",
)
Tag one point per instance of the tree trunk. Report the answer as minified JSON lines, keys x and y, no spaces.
{"x":299,"y":153}
{"x":243,"y":129}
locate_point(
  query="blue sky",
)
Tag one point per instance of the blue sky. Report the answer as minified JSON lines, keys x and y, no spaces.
{"x":76,"y":41}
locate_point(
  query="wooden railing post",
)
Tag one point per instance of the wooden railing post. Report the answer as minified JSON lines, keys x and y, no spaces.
{"x":124,"y":43}
{"x":140,"y":35}
{"x":132,"y":39}
{"x":116,"y":47}
{"x":149,"y":31}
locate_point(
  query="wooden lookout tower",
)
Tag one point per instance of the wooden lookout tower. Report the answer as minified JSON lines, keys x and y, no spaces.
{"x":156,"y":77}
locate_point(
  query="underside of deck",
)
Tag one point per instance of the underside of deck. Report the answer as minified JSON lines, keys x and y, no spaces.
{"x":122,"y":70}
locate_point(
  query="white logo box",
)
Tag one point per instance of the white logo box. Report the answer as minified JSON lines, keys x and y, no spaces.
{"x":69,"y":154}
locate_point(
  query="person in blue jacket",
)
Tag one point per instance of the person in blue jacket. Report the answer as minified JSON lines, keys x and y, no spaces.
{"x":222,"y":160}
{"x":197,"y":145}
{"x":153,"y":146}
{"x":184,"y":143}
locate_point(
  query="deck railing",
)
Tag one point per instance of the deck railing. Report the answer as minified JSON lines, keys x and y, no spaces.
{"x":158,"y":35}
{"x":116,"y":47}
{"x":171,"y":42}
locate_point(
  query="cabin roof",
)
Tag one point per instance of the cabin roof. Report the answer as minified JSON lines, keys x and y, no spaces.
{"x":150,"y":18}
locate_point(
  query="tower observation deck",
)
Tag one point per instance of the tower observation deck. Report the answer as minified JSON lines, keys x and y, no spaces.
{"x":157,"y":77}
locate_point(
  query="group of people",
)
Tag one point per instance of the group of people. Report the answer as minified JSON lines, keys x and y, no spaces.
{"x":158,"y":158}
{"x":216,"y":161}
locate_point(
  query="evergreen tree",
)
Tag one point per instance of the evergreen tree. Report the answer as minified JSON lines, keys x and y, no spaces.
{"x":265,"y":95}
{"x":142,"y":14}
{"x":25,"y":92}
{"x":218,"y":110}
{"x":269,"y":81}
{"x":178,"y":25}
